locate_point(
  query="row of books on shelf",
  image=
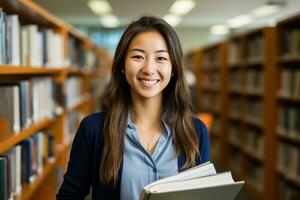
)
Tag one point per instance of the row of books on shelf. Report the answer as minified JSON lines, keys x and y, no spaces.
{"x":73,"y":91}
{"x":234,"y":52}
{"x":290,"y":41}
{"x":235,"y":106}
{"x":254,"y":110}
{"x":31,"y":45}
{"x":255,"y":48}
{"x":254,"y":51}
{"x":24,"y":162}
{"x":210,"y":58}
{"x":72,"y":123}
{"x":288,"y":191}
{"x":289,"y":120}
{"x":250,"y":139}
{"x":289,"y":83}
{"x":211,"y":101}
{"x":235,"y":80}
{"x":252,"y":169}
{"x":288,"y":161}
{"x":211,"y":80}
{"x":27,"y":102}
{"x":255,"y":173}
{"x":254,"y":80}
{"x":254,"y":142}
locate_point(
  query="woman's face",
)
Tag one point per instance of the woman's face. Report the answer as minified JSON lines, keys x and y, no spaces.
{"x":148,"y":67}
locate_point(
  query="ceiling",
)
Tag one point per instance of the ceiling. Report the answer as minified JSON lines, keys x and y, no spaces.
{"x":205,"y":14}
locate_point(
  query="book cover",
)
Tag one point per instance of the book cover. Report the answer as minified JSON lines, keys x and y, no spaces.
{"x":200,"y":181}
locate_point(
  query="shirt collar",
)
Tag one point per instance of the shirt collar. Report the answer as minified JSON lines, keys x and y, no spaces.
{"x":166,"y":131}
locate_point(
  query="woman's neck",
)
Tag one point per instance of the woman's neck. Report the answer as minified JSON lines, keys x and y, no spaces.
{"x":147,"y":111}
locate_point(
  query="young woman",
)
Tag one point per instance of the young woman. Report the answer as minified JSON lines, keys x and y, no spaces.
{"x":147,"y":131}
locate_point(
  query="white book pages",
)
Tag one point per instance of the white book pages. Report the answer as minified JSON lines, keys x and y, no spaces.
{"x":195,"y":183}
{"x":205,"y":169}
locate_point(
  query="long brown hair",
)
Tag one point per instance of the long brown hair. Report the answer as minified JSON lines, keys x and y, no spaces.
{"x":176,"y":98}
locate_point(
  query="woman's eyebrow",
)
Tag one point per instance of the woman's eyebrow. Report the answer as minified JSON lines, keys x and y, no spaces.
{"x":162,"y":51}
{"x":136,"y":49}
{"x":141,"y":50}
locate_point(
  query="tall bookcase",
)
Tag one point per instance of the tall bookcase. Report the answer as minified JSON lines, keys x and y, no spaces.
{"x":212,"y":97}
{"x":287,"y":112}
{"x":55,"y":76}
{"x":242,"y":69}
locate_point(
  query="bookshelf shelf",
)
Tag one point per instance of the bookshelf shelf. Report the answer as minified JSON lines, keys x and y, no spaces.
{"x":26,"y":70}
{"x":289,"y":59}
{"x":29,"y":189}
{"x":253,"y":155}
{"x":211,"y":69}
{"x":292,"y":139}
{"x":253,"y":123}
{"x":18,"y":137}
{"x":211,"y":89}
{"x":235,"y":144}
{"x":288,"y":99}
{"x":236,"y":91}
{"x":253,"y":93}
{"x":233,"y":66}
{"x":255,"y":62}
{"x":289,"y":177}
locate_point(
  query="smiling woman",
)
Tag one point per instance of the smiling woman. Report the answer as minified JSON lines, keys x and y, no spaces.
{"x":148,"y":130}
{"x":147,"y":66}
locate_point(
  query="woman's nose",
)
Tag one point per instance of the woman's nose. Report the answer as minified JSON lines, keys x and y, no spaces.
{"x":149,"y":66}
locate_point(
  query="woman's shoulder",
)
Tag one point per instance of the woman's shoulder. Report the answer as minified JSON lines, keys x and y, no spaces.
{"x":94,"y":121}
{"x":201,"y":128}
{"x":94,"y":117}
{"x":199,"y":122}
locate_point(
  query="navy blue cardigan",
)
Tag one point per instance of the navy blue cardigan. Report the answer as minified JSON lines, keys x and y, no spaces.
{"x":83,"y":166}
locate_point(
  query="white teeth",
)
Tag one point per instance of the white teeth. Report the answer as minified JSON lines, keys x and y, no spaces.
{"x":149,"y":81}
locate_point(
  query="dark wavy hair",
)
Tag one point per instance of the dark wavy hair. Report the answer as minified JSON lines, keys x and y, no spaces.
{"x":177,"y":101}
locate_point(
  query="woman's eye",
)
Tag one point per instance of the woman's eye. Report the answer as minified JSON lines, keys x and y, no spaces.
{"x":138,"y":57}
{"x":162,"y":58}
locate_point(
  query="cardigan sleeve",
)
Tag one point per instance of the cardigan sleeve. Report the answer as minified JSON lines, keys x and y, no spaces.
{"x":204,"y":143}
{"x":77,"y":180}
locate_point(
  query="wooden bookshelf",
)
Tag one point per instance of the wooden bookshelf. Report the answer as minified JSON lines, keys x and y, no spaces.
{"x":87,"y":75}
{"x":211,"y":84}
{"x":288,"y":102}
{"x":18,"y":137}
{"x":247,"y":101}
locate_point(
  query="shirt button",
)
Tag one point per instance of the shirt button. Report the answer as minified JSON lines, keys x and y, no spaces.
{"x":154,"y":170}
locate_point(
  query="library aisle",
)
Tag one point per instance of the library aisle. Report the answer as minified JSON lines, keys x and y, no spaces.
{"x":250,"y":83}
{"x":52,"y":75}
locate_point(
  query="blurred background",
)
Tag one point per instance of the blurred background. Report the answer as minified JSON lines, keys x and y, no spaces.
{"x":241,"y":61}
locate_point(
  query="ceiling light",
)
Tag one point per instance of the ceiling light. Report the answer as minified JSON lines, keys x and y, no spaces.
{"x":173,"y":20}
{"x":182,"y":7}
{"x":109,"y":21}
{"x":239,"y":21}
{"x":265,"y":10}
{"x":219,"y":30}
{"x":99,"y":7}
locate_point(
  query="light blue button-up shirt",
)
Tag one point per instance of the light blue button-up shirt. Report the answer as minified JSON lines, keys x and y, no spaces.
{"x":140,"y":168}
